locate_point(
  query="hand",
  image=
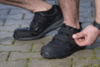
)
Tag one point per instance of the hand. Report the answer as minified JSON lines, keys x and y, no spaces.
{"x":87,"y":37}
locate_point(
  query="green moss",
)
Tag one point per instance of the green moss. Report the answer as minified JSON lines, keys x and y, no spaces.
{"x":93,"y":50}
{"x":8,"y":56}
{"x":9,"y":11}
{"x":28,"y":59}
{"x":23,"y":16}
{"x":13,"y":42}
{"x":31,"y":48}
{"x":71,"y":63}
{"x":4,"y":22}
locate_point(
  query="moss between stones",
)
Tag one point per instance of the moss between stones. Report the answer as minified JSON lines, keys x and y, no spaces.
{"x":93,"y":50}
{"x":23,"y":16}
{"x":28,"y":59}
{"x":4,"y":22}
{"x":91,"y":66}
{"x":31,"y":48}
{"x":13,"y":42}
{"x":71,"y":63}
{"x":8,"y":56}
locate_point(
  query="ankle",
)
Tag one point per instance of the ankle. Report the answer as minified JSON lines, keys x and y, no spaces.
{"x":42,"y":8}
{"x":74,"y":25}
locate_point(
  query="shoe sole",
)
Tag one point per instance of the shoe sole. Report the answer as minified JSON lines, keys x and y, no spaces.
{"x":50,"y":28}
{"x":49,"y":56}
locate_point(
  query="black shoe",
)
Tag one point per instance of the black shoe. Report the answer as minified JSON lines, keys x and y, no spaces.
{"x":62,"y":44}
{"x":42,"y":23}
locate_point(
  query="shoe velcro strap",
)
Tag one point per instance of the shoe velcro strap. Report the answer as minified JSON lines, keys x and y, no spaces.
{"x":67,"y":32}
{"x":60,"y":37}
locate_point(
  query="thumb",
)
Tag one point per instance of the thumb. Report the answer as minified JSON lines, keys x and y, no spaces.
{"x":78,"y":35}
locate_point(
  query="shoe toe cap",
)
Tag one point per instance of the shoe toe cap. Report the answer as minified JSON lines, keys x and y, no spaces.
{"x":22,"y":32}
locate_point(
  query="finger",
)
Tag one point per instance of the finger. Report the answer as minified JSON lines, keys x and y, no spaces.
{"x":78,"y":35}
{"x":80,"y":42}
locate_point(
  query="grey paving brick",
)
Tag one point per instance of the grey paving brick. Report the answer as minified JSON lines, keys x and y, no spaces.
{"x":18,"y":55}
{"x":8,"y":28}
{"x":50,"y":63}
{"x":85,"y":24}
{"x":3,"y":6}
{"x":6,"y":34}
{"x":1,"y":22}
{"x":51,"y":33}
{"x":51,"y":2}
{"x":3,"y":56}
{"x":4,"y":11}
{"x":98,"y":39}
{"x":17,"y":22}
{"x":16,"y":16}
{"x":44,"y":40}
{"x":20,"y":63}
{"x":82,"y":53}
{"x":95,"y":45}
{"x":85,"y":4}
{"x":37,"y":46}
{"x":79,"y":62}
{"x":97,"y":53}
{"x":6,"y":41}
{"x":82,"y":19}
{"x":29,"y":16}
{"x":86,"y":14}
{"x":83,"y":9}
{"x":23,"y":42}
{"x":25,"y":25}
{"x":23,"y":48}
{"x":19,"y":11}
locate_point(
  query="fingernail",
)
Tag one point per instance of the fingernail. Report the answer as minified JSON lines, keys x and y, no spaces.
{"x":74,"y":36}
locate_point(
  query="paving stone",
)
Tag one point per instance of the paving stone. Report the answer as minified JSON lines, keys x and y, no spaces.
{"x":85,"y":24}
{"x":6,"y":34}
{"x":25,"y":25}
{"x":1,"y":22}
{"x":82,"y":53}
{"x":97,"y":53}
{"x":98,"y":39}
{"x":16,"y":16}
{"x":3,"y":56}
{"x":85,"y":14}
{"x":19,"y":11}
{"x":4,"y":11}
{"x":44,"y":40}
{"x":85,"y":4}
{"x":23,"y":48}
{"x":79,"y":62}
{"x":23,"y":42}
{"x":50,"y":63}
{"x":29,"y":16}
{"x":6,"y":41}
{"x":8,"y":28}
{"x":17,"y":22}
{"x":37,"y":46}
{"x":18,"y":55}
{"x":51,"y":2}
{"x":3,"y":6}
{"x":83,"y":9}
{"x":82,"y":19}
{"x":95,"y":45}
{"x":52,"y":33}
{"x":20,"y":63}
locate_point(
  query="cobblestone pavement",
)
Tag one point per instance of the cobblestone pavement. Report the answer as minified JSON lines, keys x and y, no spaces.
{"x":15,"y":53}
